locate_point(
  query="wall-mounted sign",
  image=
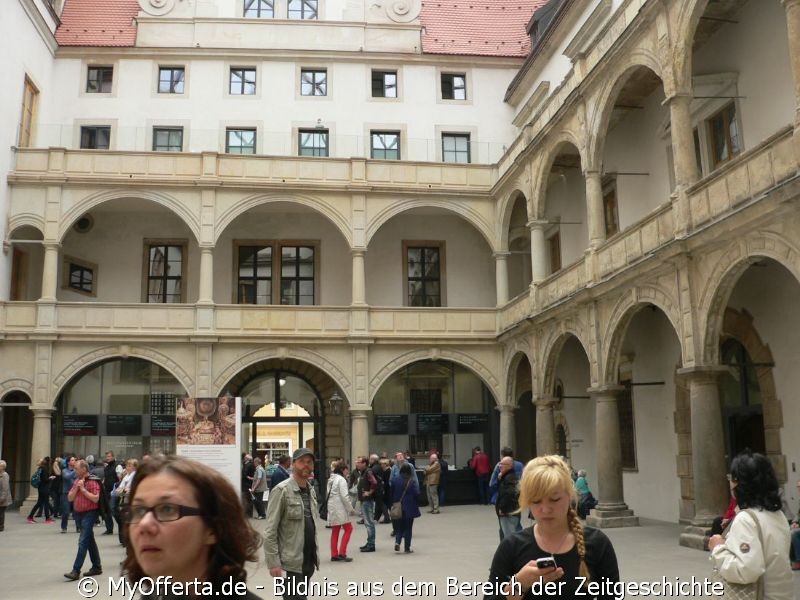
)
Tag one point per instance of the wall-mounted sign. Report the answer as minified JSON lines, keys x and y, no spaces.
{"x":433,"y":423}
{"x":391,"y":424}
{"x":123,"y":424}
{"x":80,"y":425}
{"x":162,"y":425}
{"x":472,"y":423}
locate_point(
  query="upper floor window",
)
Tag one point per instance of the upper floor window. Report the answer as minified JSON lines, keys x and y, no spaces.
{"x":95,"y":137}
{"x":297,"y":275}
{"x":456,"y":147}
{"x":723,"y":134}
{"x":313,"y":82}
{"x":165,"y":266}
{"x":168,"y":139}
{"x":385,"y":145}
{"x":29,"y":97}
{"x":255,"y":275}
{"x":171,"y":80}
{"x":240,"y":141}
{"x":79,"y":276}
{"x":303,"y":9}
{"x":423,"y":273}
{"x":260,"y":9}
{"x":242,"y":81}
{"x":312,"y":142}
{"x":454,"y":86}
{"x":276,"y":272}
{"x":384,"y":84}
{"x":99,"y":80}
{"x":610,"y":208}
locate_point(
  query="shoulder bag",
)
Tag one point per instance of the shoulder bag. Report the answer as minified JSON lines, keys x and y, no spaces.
{"x":323,"y":508}
{"x":396,"y":511}
{"x":743,"y":591}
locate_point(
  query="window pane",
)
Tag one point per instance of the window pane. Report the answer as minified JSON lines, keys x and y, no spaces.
{"x":307,"y":293}
{"x":264,"y":262}
{"x":415,"y":262}
{"x":264,"y":291}
{"x":288,"y":293}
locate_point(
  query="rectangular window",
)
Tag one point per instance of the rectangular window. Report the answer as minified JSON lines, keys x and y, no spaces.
{"x":259,"y":9}
{"x":610,"y":211}
{"x":456,"y":148}
{"x":698,"y":154}
{"x":627,"y":437}
{"x":385,"y":145}
{"x":723,"y":135}
{"x":384,"y":84}
{"x":423,"y":272}
{"x":312,"y":142}
{"x":95,"y":137}
{"x":255,"y":275}
{"x":80,"y":277}
{"x":454,"y":86}
{"x":29,"y":97}
{"x":171,"y":80}
{"x":165,"y":266}
{"x":168,"y":139}
{"x":297,"y":275}
{"x":554,"y":245}
{"x":303,"y":9}
{"x":99,"y":79}
{"x":240,"y":141}
{"x":313,"y":82}
{"x":242,"y":81}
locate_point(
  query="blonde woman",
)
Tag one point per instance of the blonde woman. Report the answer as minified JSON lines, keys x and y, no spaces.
{"x":575,"y":554}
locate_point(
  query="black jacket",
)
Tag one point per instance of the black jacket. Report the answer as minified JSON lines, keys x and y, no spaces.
{"x":507,"y":494}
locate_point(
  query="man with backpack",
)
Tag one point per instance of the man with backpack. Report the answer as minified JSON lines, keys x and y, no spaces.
{"x":367,"y":489}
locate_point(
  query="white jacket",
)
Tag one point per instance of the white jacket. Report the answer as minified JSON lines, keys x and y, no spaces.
{"x":742,"y":559}
{"x":339,"y":506}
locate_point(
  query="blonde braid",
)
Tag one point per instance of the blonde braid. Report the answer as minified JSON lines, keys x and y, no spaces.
{"x":577,"y":531}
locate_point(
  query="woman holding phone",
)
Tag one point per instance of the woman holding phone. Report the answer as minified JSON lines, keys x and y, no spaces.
{"x":556,"y":557}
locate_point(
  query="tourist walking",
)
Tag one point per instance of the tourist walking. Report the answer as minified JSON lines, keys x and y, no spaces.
{"x":6,"y":499}
{"x":405,"y":490}
{"x":479,"y":463}
{"x":433,"y":474}
{"x":85,"y":496}
{"x":42,"y":475}
{"x":339,"y":512}
{"x":67,"y":481}
{"x":507,"y":504}
{"x":258,"y":488}
{"x":109,"y":480}
{"x":367,"y":488}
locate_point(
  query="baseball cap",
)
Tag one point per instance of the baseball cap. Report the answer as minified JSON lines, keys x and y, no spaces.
{"x":300,"y":453}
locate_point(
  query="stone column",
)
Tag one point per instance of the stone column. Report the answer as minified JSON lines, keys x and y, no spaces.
{"x":538,"y":251}
{"x":545,"y":426}
{"x":506,"y":425}
{"x":359,"y":277}
{"x":501,"y":276}
{"x":359,"y":426}
{"x":684,"y":158}
{"x":611,"y":509}
{"x":792,"y":8}
{"x":594,"y":208}
{"x":206,"y":291}
{"x":711,"y":491}
{"x":40,"y":447}
{"x":50,"y":273}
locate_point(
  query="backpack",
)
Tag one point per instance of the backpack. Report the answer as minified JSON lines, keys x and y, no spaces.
{"x":36,"y":479}
{"x":102,"y":501}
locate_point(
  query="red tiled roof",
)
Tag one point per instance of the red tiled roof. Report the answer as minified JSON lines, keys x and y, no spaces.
{"x":477,"y":27}
{"x":98,"y":23}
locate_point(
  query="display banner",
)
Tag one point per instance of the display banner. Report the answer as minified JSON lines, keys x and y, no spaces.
{"x":207,"y":430}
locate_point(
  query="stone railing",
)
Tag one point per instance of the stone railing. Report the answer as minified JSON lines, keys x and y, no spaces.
{"x":519,"y":308}
{"x":564,"y":283}
{"x":438,"y":322}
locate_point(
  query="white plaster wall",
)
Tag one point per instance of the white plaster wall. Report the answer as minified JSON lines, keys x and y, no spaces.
{"x":653,"y":490}
{"x":566,"y":199}
{"x":24,"y":52}
{"x":756,"y":48}
{"x":638,"y":144}
{"x":470,"y":272}
{"x":771,"y":295}
{"x":573,"y":371}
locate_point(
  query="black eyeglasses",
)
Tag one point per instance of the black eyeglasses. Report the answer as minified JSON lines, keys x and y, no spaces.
{"x":164,"y":512}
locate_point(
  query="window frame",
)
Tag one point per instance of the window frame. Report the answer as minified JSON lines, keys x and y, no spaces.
{"x":166,"y":128}
{"x":553,"y":242}
{"x":313,"y":131}
{"x":302,"y":10}
{"x":451,"y":85}
{"x":66,"y":275}
{"x":728,"y":119}
{"x":102,"y":67}
{"x":238,"y":280}
{"x":244,"y":82}
{"x":383,"y":132}
{"x":277,"y":268}
{"x":456,"y":136}
{"x":440,"y":245}
{"x":610,"y":204}
{"x":314,"y":71}
{"x":383,"y":73}
{"x":258,"y":15}
{"x":229,"y":130}
{"x":30,"y":98}
{"x":297,"y":278}
{"x":86,"y":128}
{"x":149,"y":243}
{"x":171,"y":91}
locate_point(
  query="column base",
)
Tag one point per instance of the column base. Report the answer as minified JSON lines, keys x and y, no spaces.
{"x":694,"y":536}
{"x":612,"y":516}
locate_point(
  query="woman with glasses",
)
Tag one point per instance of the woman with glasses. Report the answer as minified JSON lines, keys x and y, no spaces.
{"x":755,"y":548}
{"x":185,"y":520}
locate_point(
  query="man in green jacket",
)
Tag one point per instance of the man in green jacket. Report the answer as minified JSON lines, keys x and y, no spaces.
{"x":290,"y":537}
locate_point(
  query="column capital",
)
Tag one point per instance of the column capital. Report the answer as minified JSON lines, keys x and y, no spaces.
{"x":506,"y":409}
{"x":358,"y":251}
{"x":40,"y":413}
{"x":703,"y":373}
{"x":545,"y":402}
{"x":592,"y":173}
{"x":207,"y":248}
{"x":537,"y":224}
{"x":502,"y":255}
{"x":359,"y":413}
{"x":612,"y":390}
{"x":678,"y":96}
{"x":51,"y":245}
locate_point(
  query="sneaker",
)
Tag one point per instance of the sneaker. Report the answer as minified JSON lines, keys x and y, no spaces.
{"x":336,"y":558}
{"x":108,"y":533}
{"x":434,"y":512}
{"x":93,"y":571}
{"x":408,"y":551}
{"x":345,"y":558}
{"x":397,"y":547}
{"x":367,"y":548}
{"x":73,"y":575}
{"x":30,"y":520}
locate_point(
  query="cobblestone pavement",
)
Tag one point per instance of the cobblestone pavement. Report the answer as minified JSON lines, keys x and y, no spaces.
{"x":458,"y":543}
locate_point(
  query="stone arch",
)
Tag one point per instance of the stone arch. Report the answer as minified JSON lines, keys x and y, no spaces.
{"x":25,"y":220}
{"x":686,"y":26}
{"x":551,"y":350}
{"x":461,"y":358}
{"x":16,"y":385}
{"x":103,"y":354}
{"x":513,"y":359}
{"x":564,"y":138}
{"x":179,"y":208}
{"x":606,"y":99}
{"x":624,"y":311}
{"x":308,"y":356}
{"x":559,"y":420}
{"x":318,"y":205}
{"x":736,"y":258}
{"x":467,"y":213}
{"x":505,"y":210}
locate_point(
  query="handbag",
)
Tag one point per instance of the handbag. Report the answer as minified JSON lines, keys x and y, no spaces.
{"x":742,"y":591}
{"x":396,"y":510}
{"x":323,"y":508}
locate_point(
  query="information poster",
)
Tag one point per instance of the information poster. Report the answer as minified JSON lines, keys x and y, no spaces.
{"x":207,"y":430}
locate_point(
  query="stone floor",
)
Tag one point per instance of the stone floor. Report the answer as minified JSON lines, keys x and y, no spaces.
{"x":458,"y":543}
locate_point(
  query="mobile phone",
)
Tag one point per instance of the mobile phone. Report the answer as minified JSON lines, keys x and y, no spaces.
{"x":545,"y":562}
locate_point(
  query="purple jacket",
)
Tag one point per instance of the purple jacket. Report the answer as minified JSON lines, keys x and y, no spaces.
{"x":410,"y":500}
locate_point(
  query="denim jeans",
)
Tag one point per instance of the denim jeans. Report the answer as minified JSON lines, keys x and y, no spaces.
{"x":405,"y":528}
{"x":509,"y":524}
{"x":368,"y":509}
{"x":86,"y":542}
{"x":483,"y":489}
{"x":66,"y":509}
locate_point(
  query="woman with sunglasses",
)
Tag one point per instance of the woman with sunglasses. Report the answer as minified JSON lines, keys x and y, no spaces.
{"x":185,"y":520}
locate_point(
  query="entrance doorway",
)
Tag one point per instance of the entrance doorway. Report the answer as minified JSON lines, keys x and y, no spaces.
{"x":741,"y":401}
{"x":16,"y":430}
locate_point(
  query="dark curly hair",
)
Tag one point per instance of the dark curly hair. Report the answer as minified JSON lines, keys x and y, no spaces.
{"x":756,"y":483}
{"x":237,"y":541}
